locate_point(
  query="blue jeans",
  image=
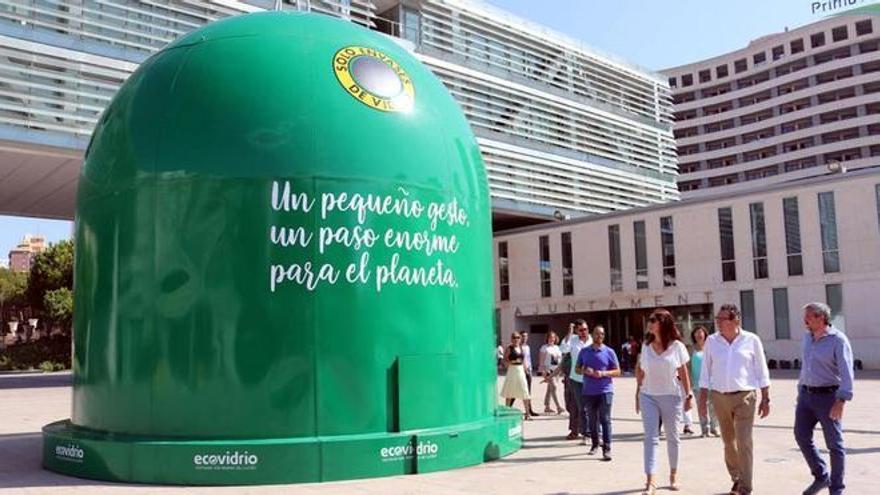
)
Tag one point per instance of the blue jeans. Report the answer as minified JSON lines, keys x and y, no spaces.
{"x":814,"y":408}
{"x":599,"y":415}
{"x":583,"y":426}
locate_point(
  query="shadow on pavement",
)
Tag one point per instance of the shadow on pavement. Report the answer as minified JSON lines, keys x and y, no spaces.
{"x":22,"y":465}
{"x":40,"y":380}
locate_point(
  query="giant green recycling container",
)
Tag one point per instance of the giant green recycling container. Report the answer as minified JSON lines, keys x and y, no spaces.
{"x":283,"y":267}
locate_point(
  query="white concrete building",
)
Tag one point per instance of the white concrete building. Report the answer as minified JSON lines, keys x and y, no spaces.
{"x":564,"y":129}
{"x":781,"y":108}
{"x":770,"y":251}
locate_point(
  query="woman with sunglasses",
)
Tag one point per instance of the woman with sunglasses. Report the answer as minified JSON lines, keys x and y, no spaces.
{"x":515,"y":386}
{"x":660,"y":377}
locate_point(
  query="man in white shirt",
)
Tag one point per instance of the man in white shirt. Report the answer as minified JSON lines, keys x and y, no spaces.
{"x":572,"y":345}
{"x":734,"y":368}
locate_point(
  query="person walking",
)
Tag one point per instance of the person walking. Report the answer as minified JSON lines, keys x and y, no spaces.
{"x":825,"y":386}
{"x":708,"y":422}
{"x":734,"y":369}
{"x":549,"y":358}
{"x":515,"y":386}
{"x":598,"y":364}
{"x":527,"y":366}
{"x":573,"y":346}
{"x":663,"y":391}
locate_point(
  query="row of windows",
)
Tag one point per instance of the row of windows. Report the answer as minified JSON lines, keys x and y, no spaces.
{"x":791,"y":221}
{"x":840,"y":33}
{"x":781,"y":317}
{"x":667,"y":247}
{"x":760,"y":265}
{"x":781,"y":108}
{"x":788,"y":147}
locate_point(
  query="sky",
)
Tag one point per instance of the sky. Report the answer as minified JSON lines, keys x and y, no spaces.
{"x":651,"y":33}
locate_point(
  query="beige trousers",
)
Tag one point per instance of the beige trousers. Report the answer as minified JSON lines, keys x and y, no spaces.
{"x":736,"y":415}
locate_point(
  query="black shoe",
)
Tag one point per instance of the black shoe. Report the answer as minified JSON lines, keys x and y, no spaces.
{"x":593,"y":450}
{"x":533,"y":413}
{"x":817,"y":486}
{"x":606,"y":455}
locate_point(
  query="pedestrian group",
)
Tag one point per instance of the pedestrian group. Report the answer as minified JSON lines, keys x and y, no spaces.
{"x":725,"y":376}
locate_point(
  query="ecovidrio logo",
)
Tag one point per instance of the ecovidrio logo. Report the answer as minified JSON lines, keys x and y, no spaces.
{"x":424,"y":450}
{"x":226,"y":461}
{"x":70,"y":452}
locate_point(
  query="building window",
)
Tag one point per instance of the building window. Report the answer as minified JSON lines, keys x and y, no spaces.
{"x":839,"y":33}
{"x":544,"y":265}
{"x":780,"y":313}
{"x":834,"y":299}
{"x":705,"y":76}
{"x":667,"y":251}
{"x":672,"y":82}
{"x":797,"y":46}
{"x":817,"y":40}
{"x":778,"y":52}
{"x":503,"y":272}
{"x":412,"y":25}
{"x":759,"y":240}
{"x":740,"y":66}
{"x":747,"y":306}
{"x":721,"y":71}
{"x":614,"y":256}
{"x":725,"y":230}
{"x":791,"y":219}
{"x":567,"y":272}
{"x":641,"y":255}
{"x":759,"y":58}
{"x":687,"y":80}
{"x":828,"y":226}
{"x":863,"y":28}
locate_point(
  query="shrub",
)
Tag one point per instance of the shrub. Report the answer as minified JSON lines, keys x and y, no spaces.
{"x":40,"y":354}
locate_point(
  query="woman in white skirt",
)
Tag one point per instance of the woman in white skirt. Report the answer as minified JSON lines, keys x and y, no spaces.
{"x":515,"y":386}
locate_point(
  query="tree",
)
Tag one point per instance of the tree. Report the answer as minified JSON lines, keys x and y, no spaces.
{"x":13,"y":288}
{"x":52,"y":270}
{"x":59,"y":306}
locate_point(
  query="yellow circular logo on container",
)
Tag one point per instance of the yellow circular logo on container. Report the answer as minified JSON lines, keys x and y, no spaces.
{"x":374,"y":79}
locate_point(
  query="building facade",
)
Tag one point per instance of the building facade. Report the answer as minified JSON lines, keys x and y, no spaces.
{"x":785,"y":107}
{"x":770,"y":251}
{"x":563,"y":130}
{"x":21,"y":257}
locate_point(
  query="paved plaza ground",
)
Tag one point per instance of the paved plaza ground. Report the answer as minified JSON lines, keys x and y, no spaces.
{"x":547,"y":464}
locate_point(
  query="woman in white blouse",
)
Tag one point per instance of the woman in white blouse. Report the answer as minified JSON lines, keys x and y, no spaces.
{"x":661,"y":375}
{"x":549,"y":357}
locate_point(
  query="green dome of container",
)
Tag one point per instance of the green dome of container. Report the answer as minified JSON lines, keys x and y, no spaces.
{"x":283,"y":267}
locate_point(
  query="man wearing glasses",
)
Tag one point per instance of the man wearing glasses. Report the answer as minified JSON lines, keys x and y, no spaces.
{"x":825,"y":385}
{"x":572,"y":345}
{"x":734,"y":369}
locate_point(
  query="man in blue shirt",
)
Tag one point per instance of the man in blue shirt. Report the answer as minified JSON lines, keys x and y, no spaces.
{"x":825,"y":385}
{"x":598,"y":365}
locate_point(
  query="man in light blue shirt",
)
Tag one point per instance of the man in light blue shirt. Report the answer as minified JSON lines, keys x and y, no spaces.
{"x":824,"y":387}
{"x":573,"y":345}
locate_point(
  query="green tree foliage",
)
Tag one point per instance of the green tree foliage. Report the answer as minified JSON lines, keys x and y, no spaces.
{"x":13,"y":287}
{"x":59,"y":306}
{"x":52,"y":270}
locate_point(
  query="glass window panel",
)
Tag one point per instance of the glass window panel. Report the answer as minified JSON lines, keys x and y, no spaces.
{"x":780,"y":313}
{"x":503,"y":272}
{"x":791,"y":217}
{"x":834,"y":299}
{"x":544,"y":264}
{"x":667,"y":251}
{"x":614,"y":256}
{"x":641,"y":255}
{"x":567,"y":272}
{"x":725,"y":231}
{"x":759,"y":240}
{"x":747,"y":305}
{"x":828,"y":227}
